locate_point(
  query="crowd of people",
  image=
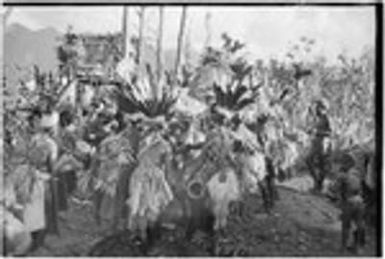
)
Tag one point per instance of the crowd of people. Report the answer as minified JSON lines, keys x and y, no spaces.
{"x":144,"y":166}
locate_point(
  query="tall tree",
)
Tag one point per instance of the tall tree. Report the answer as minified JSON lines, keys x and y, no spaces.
{"x":159,"y":63}
{"x":180,"y":38}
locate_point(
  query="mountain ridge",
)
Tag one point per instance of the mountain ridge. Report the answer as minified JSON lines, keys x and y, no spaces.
{"x":25,"y":47}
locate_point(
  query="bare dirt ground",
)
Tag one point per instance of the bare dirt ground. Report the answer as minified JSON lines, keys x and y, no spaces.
{"x":301,"y":225}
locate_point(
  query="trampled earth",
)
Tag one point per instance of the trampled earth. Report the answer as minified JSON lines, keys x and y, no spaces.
{"x":301,"y":224}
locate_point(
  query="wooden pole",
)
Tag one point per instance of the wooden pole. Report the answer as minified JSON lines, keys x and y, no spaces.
{"x":208,"y":29}
{"x":180,"y":39}
{"x":159,"y":45}
{"x":140,"y":40}
{"x":124,"y":32}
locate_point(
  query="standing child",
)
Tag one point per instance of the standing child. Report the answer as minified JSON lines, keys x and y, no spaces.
{"x":349,"y":184}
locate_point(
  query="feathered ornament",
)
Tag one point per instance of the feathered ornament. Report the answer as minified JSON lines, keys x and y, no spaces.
{"x":147,"y":96}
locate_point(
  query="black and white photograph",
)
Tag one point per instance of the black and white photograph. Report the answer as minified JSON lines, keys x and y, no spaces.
{"x":192,"y":130}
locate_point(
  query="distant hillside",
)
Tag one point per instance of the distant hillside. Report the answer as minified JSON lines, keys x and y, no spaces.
{"x":24,"y":48}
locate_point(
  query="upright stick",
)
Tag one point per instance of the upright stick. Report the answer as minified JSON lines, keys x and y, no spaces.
{"x":140,"y":40}
{"x":180,"y":39}
{"x":159,"y":45}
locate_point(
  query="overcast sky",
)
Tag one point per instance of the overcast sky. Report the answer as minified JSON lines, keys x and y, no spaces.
{"x":268,"y":31}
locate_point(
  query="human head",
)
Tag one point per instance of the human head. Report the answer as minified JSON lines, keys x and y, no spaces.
{"x":320,"y":107}
{"x":236,"y":121}
{"x":346,"y":162}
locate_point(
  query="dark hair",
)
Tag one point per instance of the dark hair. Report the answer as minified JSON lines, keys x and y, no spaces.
{"x":237,"y":146}
{"x":119,"y":117}
{"x":66,"y":118}
{"x":347,"y":162}
{"x":236,"y":120}
{"x":35,"y":113}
